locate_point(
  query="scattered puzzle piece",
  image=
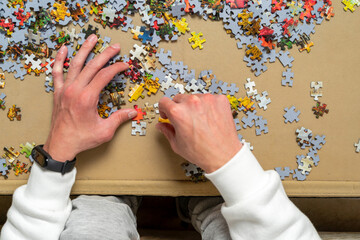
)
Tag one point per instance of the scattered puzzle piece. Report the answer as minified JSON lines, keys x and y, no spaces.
{"x":27,"y":148}
{"x":247,"y":104}
{"x":316,"y":92}
{"x":288,"y":75}
{"x":250,"y":119}
{"x":196,"y":38}
{"x":140,"y":114}
{"x":319,"y":109}
{"x":10,"y":154}
{"x":19,"y":168}
{"x":4,"y":169}
{"x":61,"y":11}
{"x":303,"y":137}
{"x":250,"y":86}
{"x":136,"y":92}
{"x":283,"y":173}
{"x":317,"y":141}
{"x":261,"y":123}
{"x":298,"y":175}
{"x":150,"y":112}
{"x":14,"y":113}
{"x":138,"y":128}
{"x":237,"y":124}
{"x":306,"y":165}
{"x":291,"y":115}
{"x":357,"y":145}
{"x":243,"y":141}
{"x":349,"y":5}
{"x":263,"y":100}
{"x":194,"y":172}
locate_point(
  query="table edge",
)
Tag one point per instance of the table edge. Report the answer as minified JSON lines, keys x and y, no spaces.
{"x":187,"y":188}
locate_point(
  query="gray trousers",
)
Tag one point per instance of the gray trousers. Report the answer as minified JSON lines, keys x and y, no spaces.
{"x":113,"y":218}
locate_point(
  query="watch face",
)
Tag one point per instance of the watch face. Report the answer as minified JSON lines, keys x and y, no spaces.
{"x":39,"y":158}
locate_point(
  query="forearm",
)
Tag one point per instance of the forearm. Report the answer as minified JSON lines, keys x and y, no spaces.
{"x":256,"y":205}
{"x":41,"y":207}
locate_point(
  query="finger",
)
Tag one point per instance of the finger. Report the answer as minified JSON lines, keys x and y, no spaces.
{"x":165,"y":104}
{"x":95,"y":65}
{"x":104,"y":76}
{"x":119,"y":117}
{"x":178,"y":98}
{"x":79,"y":60}
{"x":168,"y":131}
{"x":58,"y":68}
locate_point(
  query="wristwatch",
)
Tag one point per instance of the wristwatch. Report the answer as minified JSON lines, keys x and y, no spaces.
{"x":39,"y":155}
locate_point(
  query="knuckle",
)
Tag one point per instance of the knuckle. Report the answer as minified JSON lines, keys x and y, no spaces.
{"x":69,"y":92}
{"x":174,"y":110}
{"x":94,"y":64}
{"x":85,"y":98}
{"x":194,"y":99}
{"x":75,"y":64}
{"x":105,"y":72}
{"x":57,"y":69}
{"x":55,"y":72}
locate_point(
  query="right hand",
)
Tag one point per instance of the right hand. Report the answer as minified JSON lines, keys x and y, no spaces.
{"x":202,"y":129}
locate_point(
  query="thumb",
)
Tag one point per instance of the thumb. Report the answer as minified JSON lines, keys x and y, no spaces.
{"x":121,"y":116}
{"x":168,"y":130}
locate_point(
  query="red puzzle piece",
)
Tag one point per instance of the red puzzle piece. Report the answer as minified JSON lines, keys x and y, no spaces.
{"x":140,"y":114}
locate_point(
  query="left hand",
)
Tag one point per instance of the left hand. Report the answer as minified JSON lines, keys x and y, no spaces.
{"x":76,"y":125}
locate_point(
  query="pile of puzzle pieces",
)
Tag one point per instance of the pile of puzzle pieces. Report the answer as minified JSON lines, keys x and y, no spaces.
{"x":31,"y":34}
{"x":10,"y":160}
{"x":304,"y":139}
{"x":267,"y":28}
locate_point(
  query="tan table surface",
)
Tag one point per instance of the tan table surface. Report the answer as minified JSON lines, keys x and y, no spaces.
{"x":146,"y":165}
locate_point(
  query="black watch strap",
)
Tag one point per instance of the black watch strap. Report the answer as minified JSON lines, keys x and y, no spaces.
{"x":44,"y":159}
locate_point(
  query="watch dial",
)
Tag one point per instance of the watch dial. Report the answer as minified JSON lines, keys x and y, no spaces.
{"x":39,"y":158}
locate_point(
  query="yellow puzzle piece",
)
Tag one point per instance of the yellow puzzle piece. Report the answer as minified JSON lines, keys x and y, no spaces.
{"x":60,"y":12}
{"x":196,"y":39}
{"x":152,"y":85}
{"x":136,"y":92}
{"x":233,"y":102}
{"x":349,"y":4}
{"x":181,"y":25}
{"x":247,"y":104}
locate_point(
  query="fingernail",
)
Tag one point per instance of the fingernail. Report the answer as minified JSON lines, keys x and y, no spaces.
{"x":92,"y":38}
{"x":132,"y":114}
{"x":116,"y":46}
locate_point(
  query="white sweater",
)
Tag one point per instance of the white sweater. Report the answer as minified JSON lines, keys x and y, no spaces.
{"x":256,"y":205}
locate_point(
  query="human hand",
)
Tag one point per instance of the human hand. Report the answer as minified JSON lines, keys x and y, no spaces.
{"x":76,"y":125}
{"x":202,"y":129}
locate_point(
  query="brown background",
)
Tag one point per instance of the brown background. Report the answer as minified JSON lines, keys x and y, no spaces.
{"x":146,"y":165}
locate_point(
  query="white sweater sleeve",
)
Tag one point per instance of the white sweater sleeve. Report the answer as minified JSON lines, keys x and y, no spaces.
{"x":40,"y":208}
{"x":256,"y":205}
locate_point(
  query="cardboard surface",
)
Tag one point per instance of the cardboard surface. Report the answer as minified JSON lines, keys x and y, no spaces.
{"x":147,"y":165}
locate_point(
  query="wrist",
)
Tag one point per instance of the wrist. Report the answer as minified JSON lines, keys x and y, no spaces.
{"x":221,"y":158}
{"x":59,"y":152}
